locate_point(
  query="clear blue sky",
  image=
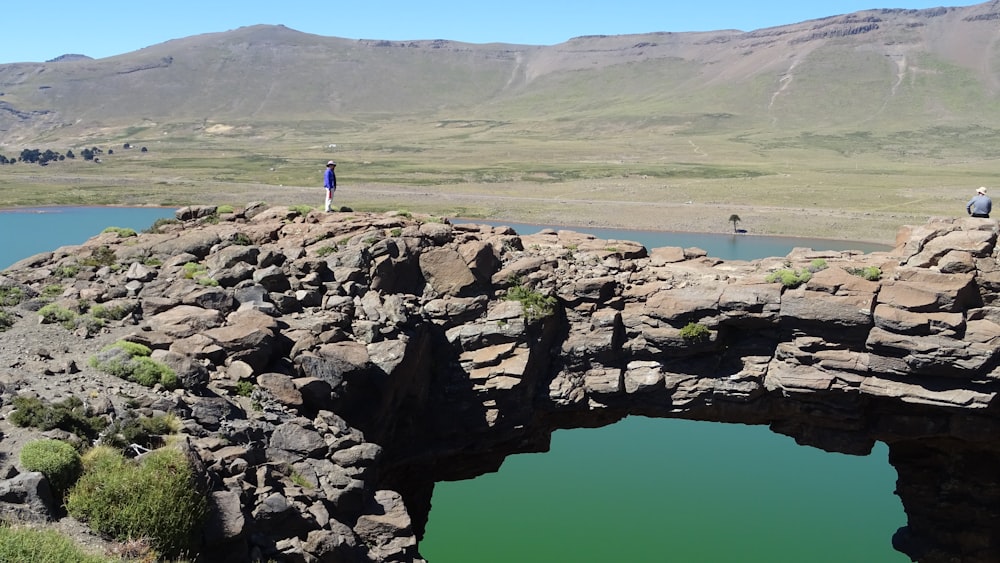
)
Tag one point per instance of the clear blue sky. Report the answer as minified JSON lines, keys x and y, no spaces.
{"x":39,"y":31}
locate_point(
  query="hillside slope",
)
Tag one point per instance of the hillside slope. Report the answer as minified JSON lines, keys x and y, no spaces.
{"x":890,"y":69}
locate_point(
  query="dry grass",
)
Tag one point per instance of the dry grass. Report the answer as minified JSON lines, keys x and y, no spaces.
{"x":859,"y":188}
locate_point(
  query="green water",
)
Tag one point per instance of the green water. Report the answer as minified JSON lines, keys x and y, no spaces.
{"x":674,"y":491}
{"x":652,"y":490}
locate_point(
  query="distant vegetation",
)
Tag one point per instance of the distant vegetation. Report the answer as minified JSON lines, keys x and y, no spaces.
{"x":43,"y":158}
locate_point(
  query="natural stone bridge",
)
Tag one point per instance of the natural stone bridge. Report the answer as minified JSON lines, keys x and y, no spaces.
{"x":391,"y":353}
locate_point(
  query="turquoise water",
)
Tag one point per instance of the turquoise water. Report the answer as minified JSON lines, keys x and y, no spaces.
{"x":674,"y":491}
{"x":638,"y":491}
{"x":29,"y":231}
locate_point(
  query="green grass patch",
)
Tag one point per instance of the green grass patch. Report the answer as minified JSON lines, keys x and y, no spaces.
{"x":245,"y":388}
{"x":155,"y":497}
{"x":23,"y":544}
{"x":131,"y":361}
{"x":70,"y":415}
{"x":159,"y":225}
{"x":52,"y":291}
{"x":199,"y":273}
{"x":109,"y":312}
{"x":870,"y":273}
{"x":101,"y":256}
{"x":66,"y":271}
{"x":122,"y":232}
{"x":325,"y":250}
{"x":789,"y":278}
{"x":57,"y":460}
{"x":12,"y":295}
{"x":54,"y":313}
{"x":146,"y":431}
{"x":695,"y":332}
{"x":241,"y":239}
{"x":533,"y":304}
{"x":7,"y":320}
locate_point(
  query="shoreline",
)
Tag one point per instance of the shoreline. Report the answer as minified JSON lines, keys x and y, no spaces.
{"x":561,"y":223}
{"x":570,"y":227}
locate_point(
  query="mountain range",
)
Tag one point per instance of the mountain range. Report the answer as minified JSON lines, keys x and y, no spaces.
{"x":875,"y":70}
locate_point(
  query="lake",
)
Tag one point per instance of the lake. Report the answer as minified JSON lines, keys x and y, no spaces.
{"x":29,"y":231}
{"x":641,"y":490}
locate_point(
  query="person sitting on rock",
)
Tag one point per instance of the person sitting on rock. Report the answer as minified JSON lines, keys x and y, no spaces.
{"x":980,"y":205}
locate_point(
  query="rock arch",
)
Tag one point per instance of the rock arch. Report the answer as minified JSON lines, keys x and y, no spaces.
{"x":390,"y":352}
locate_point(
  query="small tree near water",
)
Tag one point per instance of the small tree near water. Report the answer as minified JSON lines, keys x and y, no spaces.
{"x":734,"y":219}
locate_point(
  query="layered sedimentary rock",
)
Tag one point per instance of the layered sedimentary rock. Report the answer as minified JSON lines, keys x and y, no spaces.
{"x":388,"y":352}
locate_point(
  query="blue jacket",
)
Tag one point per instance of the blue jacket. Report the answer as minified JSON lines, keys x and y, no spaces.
{"x":979,"y":205}
{"x":330,"y":179}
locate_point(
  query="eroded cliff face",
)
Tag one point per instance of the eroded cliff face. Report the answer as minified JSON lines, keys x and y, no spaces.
{"x":390,"y":352}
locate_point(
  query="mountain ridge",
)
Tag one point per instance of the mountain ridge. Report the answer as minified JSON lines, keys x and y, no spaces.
{"x":768,"y":77}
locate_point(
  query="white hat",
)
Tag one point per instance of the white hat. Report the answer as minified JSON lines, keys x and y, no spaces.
{"x":332,"y":163}
{"x":981,"y":190}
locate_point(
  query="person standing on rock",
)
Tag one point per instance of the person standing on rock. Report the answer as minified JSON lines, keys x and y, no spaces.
{"x":980,"y":205}
{"x":330,"y":183}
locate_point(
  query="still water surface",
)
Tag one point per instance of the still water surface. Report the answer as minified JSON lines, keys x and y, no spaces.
{"x":29,"y":231}
{"x":658,"y":491}
{"x":638,"y":491}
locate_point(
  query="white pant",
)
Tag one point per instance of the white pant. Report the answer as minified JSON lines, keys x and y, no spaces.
{"x":329,"y":200}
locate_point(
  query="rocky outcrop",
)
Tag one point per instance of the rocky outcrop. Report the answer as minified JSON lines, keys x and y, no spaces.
{"x":386,"y":353}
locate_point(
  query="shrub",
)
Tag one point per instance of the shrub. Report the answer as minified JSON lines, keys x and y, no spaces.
{"x":131,"y":361}
{"x":66,"y":271}
{"x":52,"y":290}
{"x":54,"y":313}
{"x":122,"y":232}
{"x":870,"y":273}
{"x":301,"y":209}
{"x":695,"y":332}
{"x":225,"y":208}
{"x":789,"y":278}
{"x":157,"y":226}
{"x":19,"y":543}
{"x":198,"y":273}
{"x":109,"y":312}
{"x":57,"y":460}
{"x":101,"y":256}
{"x":325,"y":251}
{"x":193,"y":269}
{"x":817,"y":265}
{"x":245,"y":388}
{"x":533,"y":303}
{"x":11,"y":295}
{"x":70,"y":415}
{"x":145,"y":431}
{"x":395,"y":232}
{"x":154,"y":497}
{"x":241,"y":239}
{"x":6,"y":320}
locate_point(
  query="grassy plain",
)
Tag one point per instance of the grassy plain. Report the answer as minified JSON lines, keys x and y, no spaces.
{"x":675,"y":176}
